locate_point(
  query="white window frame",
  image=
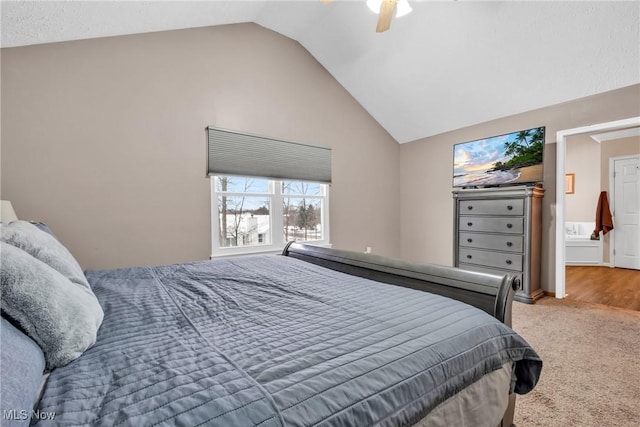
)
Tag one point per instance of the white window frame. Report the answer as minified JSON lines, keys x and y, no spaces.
{"x":276,"y":216}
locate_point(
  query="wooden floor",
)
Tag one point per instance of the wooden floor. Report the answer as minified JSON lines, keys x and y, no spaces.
{"x":617,"y":287}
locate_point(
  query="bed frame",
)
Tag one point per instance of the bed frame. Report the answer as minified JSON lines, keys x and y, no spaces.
{"x":490,"y":293}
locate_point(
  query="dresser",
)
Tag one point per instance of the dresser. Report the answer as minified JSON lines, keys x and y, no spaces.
{"x":499,"y":230}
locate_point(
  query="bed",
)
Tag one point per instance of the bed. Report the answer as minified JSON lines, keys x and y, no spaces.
{"x":314,"y":336}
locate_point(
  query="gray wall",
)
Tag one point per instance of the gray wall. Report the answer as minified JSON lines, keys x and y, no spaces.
{"x":426,"y":214}
{"x":104,"y":139}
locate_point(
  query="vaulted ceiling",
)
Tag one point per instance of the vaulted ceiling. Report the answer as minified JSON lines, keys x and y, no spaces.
{"x":446,"y":65}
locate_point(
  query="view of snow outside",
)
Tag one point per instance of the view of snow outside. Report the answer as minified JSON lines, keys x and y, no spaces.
{"x":245,"y":214}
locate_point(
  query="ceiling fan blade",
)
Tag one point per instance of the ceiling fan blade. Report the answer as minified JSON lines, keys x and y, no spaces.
{"x":386,"y":13}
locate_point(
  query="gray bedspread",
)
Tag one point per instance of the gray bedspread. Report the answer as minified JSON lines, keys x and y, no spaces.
{"x":272,"y":341}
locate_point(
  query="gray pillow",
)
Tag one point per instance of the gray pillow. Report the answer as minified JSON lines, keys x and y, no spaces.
{"x":21,"y":369}
{"x":62,"y":317}
{"x":45,"y":247}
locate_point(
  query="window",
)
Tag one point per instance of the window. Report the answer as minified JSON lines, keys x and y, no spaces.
{"x":252,"y":214}
{"x":258,"y":215}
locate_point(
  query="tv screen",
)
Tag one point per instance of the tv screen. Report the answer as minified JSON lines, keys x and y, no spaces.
{"x":513,"y":158}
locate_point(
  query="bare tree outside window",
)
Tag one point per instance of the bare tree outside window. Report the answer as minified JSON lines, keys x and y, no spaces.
{"x":247,"y":210}
{"x":242,"y":217}
{"x":302,"y":210}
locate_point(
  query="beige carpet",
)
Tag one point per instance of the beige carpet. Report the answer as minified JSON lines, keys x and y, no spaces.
{"x":591,"y":371}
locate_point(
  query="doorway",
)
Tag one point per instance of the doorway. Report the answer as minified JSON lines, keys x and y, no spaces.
{"x":625,"y":194}
{"x":561,"y":188}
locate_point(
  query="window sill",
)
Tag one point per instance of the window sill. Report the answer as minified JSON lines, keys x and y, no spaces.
{"x":260,"y":251}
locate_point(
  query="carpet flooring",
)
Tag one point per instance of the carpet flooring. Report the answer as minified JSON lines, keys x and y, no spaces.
{"x":591,"y":364}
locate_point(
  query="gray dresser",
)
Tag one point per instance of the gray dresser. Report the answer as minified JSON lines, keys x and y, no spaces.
{"x":498,"y":230}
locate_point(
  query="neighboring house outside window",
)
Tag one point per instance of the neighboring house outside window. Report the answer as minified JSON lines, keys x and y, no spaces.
{"x":250,"y":215}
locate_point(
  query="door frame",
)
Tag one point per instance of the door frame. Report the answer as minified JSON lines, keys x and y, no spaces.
{"x":612,"y":201}
{"x":561,"y":152}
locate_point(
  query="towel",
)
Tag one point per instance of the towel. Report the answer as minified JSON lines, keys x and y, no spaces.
{"x":604,"y":220}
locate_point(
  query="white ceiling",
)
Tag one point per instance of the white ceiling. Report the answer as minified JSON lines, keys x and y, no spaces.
{"x":445,"y":66}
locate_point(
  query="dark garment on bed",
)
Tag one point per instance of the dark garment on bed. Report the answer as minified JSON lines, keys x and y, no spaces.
{"x":271,"y":341}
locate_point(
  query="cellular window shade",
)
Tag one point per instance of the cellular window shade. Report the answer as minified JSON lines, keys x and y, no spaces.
{"x":235,"y":153}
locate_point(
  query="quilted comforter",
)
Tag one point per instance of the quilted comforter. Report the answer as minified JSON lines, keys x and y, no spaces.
{"x":272,"y":341}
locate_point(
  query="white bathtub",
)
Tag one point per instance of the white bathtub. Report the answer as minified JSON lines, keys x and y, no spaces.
{"x":580,"y":249}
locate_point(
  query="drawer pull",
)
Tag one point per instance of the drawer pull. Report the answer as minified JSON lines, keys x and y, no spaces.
{"x":469,"y":257}
{"x":509,"y":225}
{"x":517,"y":284}
{"x":509,"y":262}
{"x":469,"y":207}
{"x":509,"y":208}
{"x":509,"y":244}
{"x":469,"y":224}
{"x":469,"y":240}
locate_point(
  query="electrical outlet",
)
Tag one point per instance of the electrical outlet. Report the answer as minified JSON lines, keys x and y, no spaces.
{"x":367,"y":250}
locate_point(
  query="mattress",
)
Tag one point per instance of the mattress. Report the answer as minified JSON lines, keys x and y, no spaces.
{"x":272,"y":341}
{"x":483,"y":403}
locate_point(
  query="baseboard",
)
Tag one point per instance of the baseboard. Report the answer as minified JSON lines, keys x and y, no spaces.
{"x":590,"y":264}
{"x":549,"y":294}
{"x":584,"y":264}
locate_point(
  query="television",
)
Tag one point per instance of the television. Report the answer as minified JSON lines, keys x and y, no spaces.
{"x":509,"y":159}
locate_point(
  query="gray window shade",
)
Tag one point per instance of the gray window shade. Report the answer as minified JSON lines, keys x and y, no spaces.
{"x":234,"y":153}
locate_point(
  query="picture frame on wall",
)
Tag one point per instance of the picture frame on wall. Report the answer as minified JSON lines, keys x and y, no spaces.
{"x":569,"y":183}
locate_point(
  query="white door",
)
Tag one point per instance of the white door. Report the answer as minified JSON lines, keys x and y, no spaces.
{"x":626,"y":211}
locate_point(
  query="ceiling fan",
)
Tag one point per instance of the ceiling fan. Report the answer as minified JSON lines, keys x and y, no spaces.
{"x":385,"y":9}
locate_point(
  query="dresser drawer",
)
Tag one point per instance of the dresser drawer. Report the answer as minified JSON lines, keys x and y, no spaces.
{"x":500,"y":242}
{"x":492,"y":207}
{"x":492,"y":225}
{"x":491,"y":259}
